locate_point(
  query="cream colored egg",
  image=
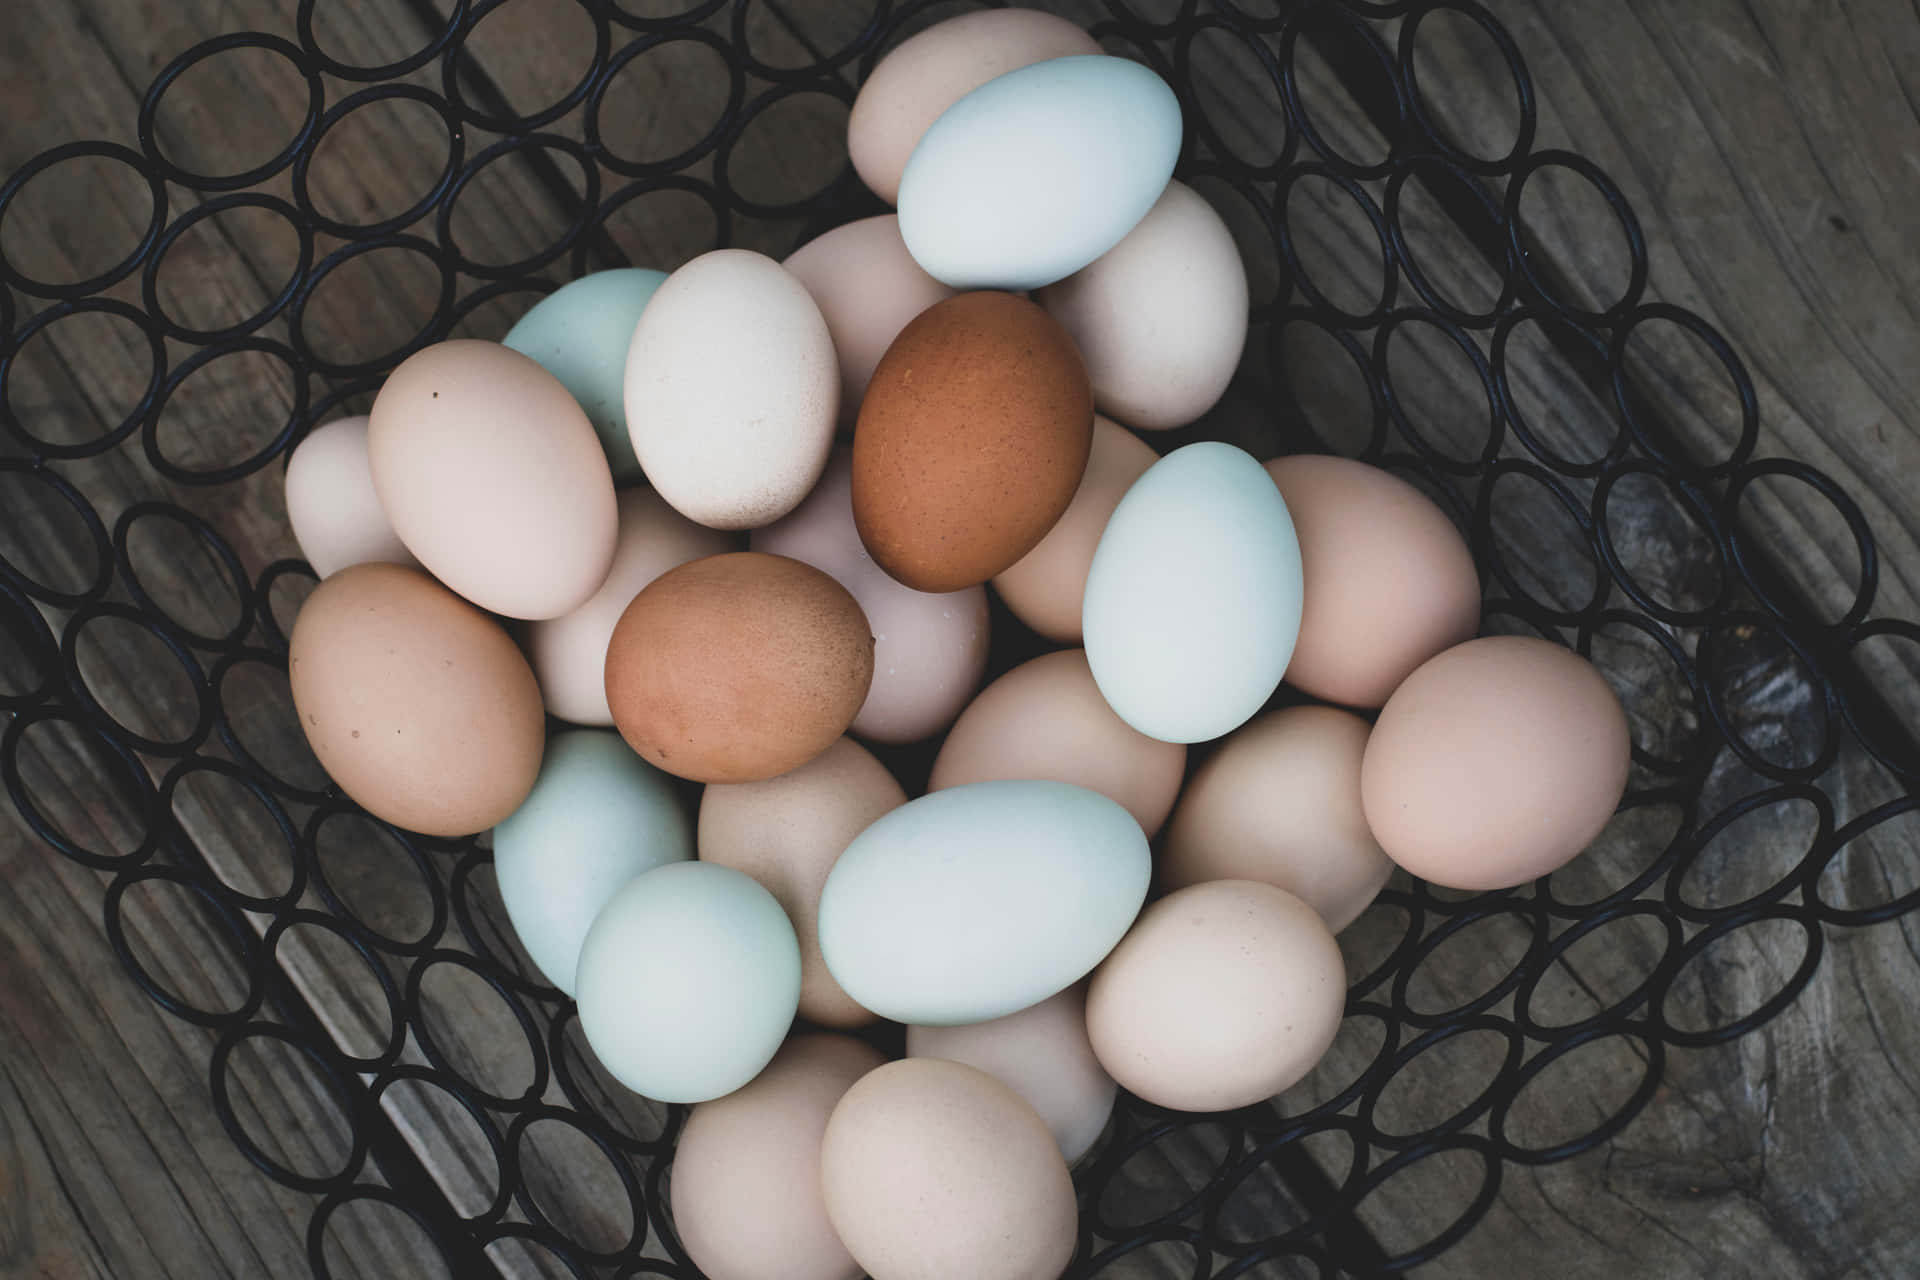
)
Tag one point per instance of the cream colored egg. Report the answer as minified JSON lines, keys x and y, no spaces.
{"x":336,"y":516}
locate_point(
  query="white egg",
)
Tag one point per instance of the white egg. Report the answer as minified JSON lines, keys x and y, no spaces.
{"x":336,"y":516}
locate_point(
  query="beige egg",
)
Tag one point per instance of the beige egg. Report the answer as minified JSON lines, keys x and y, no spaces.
{"x":1046,"y":720}
{"x":493,"y":477}
{"x":746,"y":1188}
{"x":937,"y":1171}
{"x":1162,"y":316}
{"x":787,"y":832}
{"x":1046,"y":587}
{"x":336,"y":516}
{"x":569,"y":653}
{"x":1042,"y":1054}
{"x":1279,"y":802}
{"x":1222,"y":995}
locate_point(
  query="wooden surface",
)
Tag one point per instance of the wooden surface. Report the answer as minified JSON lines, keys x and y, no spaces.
{"x":1768,"y":148}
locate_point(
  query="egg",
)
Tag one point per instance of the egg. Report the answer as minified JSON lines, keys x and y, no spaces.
{"x":971,"y":441}
{"x":1041,"y":1053}
{"x":1389,"y":580}
{"x":569,"y":653}
{"x":597,"y":816}
{"x":929,"y":650}
{"x":935,"y":1171}
{"x":1161,"y":318}
{"x":1495,"y":763}
{"x":1046,"y":719}
{"x":1223,"y":995}
{"x":1046,"y":587}
{"x":580,"y":334}
{"x":1193,"y":600}
{"x":738,"y":667}
{"x":867,"y":287}
{"x":688,"y":981}
{"x":746,"y":1190}
{"x":732,"y":390}
{"x":910,"y":87}
{"x":493,"y":478}
{"x":336,"y":516}
{"x":417,"y":704}
{"x":787,"y":832}
{"x":1038,"y":172}
{"x":1279,"y":802}
{"x":975,"y":902}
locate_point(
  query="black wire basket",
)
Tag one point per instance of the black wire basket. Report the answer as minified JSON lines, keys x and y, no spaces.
{"x":1624,"y":537}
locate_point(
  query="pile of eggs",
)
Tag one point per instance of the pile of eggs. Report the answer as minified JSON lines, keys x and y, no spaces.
{"x":557,"y":529}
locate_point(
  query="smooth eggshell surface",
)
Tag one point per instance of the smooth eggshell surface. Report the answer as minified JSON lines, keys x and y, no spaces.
{"x":929,"y":650}
{"x":746,"y":1191}
{"x":336,"y":516}
{"x":1162,"y":316}
{"x":936,"y":1171}
{"x":787,"y":832}
{"x":732,"y":390}
{"x":414,"y":701}
{"x":1221,"y":996}
{"x":1495,"y":763}
{"x":1279,"y":802}
{"x":493,"y":477}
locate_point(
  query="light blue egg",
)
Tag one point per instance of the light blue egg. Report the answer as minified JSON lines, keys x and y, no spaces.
{"x":598,"y":816}
{"x":580,"y":334}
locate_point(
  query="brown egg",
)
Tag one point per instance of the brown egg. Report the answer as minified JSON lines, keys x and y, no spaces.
{"x":1388,"y":580}
{"x":933,"y":1169}
{"x":417,"y":703}
{"x":746,"y":1192}
{"x":1495,"y":763}
{"x":971,"y":441}
{"x":1221,"y":995}
{"x":738,"y":667}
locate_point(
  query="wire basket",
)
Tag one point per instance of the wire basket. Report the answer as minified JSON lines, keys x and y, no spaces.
{"x":1624,"y":536}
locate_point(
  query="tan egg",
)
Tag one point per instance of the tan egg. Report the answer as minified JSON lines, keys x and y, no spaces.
{"x":937,"y":1171}
{"x":1045,"y":588}
{"x":1046,"y":720}
{"x":417,"y":704}
{"x":1279,"y":802}
{"x":1495,"y":763}
{"x":1042,"y":1054}
{"x":336,"y":516}
{"x":1222,"y":995}
{"x":1388,"y":579}
{"x":746,"y":1189}
{"x":787,"y":832}
{"x":569,"y":653}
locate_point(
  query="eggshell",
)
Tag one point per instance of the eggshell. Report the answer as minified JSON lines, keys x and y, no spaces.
{"x":929,"y":651}
{"x":1038,"y":172}
{"x":1042,"y":1054}
{"x":746,"y":1189}
{"x":971,"y":441}
{"x":1223,"y":995}
{"x":580,"y":334}
{"x":569,"y":653}
{"x":936,"y":1171}
{"x":1046,"y":719}
{"x":597,"y":817}
{"x":1279,"y":802}
{"x":1161,"y":318}
{"x":787,"y":832}
{"x":867,"y":287}
{"x":1495,"y":763}
{"x":688,"y":981}
{"x":732,"y":390}
{"x":1193,"y":601}
{"x":738,"y":667}
{"x":336,"y":516}
{"x":910,"y":87}
{"x":1389,"y":580}
{"x":415,"y":702}
{"x":975,"y":902}
{"x":493,"y":477}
